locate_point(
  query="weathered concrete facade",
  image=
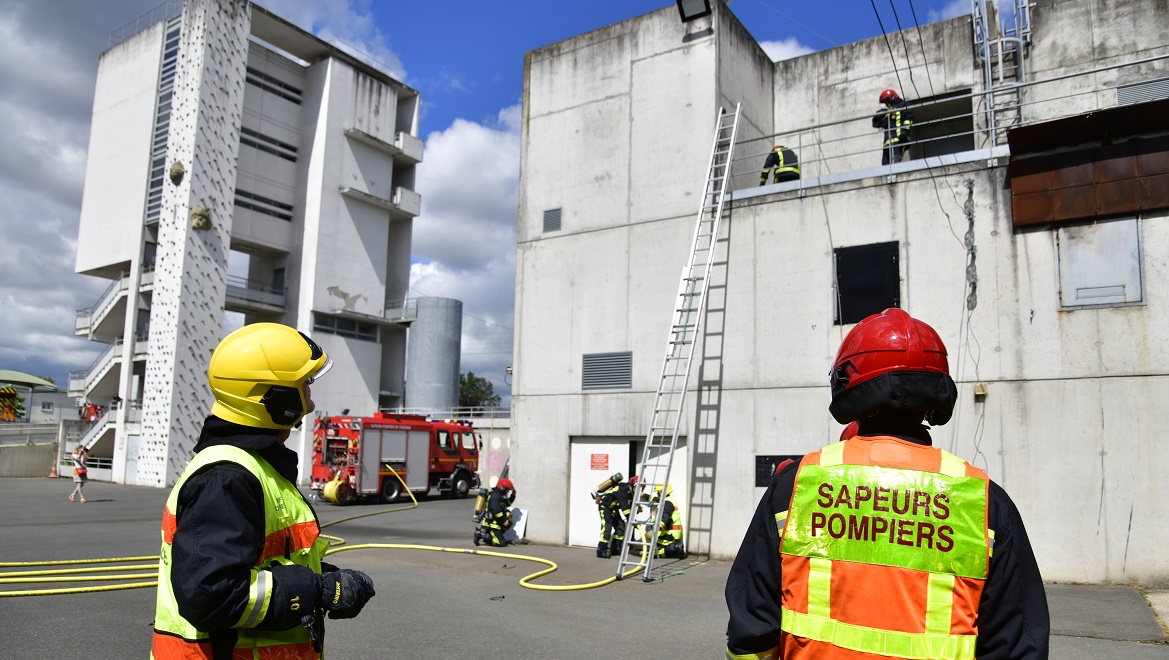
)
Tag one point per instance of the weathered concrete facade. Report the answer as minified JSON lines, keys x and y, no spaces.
{"x":226,"y":132}
{"x":617,"y":132}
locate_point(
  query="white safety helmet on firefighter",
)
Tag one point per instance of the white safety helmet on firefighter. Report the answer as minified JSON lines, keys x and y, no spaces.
{"x":892,"y":362}
{"x":258,"y":373}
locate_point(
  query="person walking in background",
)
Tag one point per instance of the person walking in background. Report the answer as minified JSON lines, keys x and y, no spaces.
{"x":882,"y":545}
{"x":896,"y":120}
{"x":80,"y":473}
{"x":783,"y":165}
{"x":241,"y":571}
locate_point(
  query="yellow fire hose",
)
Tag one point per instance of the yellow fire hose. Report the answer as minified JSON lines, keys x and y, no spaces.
{"x":89,"y":574}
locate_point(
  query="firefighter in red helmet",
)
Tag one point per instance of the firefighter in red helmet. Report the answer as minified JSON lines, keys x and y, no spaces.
{"x":896,"y":120}
{"x":887,"y":513}
{"x":497,"y":520}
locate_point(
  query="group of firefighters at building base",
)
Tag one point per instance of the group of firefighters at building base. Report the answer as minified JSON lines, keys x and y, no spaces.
{"x":614,"y":500}
{"x":879,"y":545}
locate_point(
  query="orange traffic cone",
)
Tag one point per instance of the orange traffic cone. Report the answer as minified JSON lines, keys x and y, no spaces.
{"x":53,"y":472}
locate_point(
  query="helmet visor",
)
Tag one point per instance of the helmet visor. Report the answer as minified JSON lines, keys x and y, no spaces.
{"x":320,"y":372}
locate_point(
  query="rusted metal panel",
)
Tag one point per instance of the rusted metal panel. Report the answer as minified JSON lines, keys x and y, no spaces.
{"x":1113,"y":197}
{"x":1114,"y":163}
{"x":1072,"y":175}
{"x":1032,"y":209}
{"x":1074,"y":203}
{"x":1155,"y":192}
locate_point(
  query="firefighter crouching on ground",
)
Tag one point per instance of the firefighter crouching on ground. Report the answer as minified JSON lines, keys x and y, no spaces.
{"x":614,"y":500}
{"x":497,"y":518}
{"x":670,"y":533}
{"x":882,"y":545}
{"x":241,"y":555}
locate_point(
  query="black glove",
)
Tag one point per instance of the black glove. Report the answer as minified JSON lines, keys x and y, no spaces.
{"x":344,"y":592}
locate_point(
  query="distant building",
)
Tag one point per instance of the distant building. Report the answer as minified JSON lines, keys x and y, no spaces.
{"x":226,"y":131}
{"x":1027,"y":226}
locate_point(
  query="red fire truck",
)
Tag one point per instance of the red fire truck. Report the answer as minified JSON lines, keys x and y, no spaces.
{"x":352,"y":457}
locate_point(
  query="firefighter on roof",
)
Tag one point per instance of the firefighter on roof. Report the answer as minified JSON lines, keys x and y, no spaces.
{"x":896,"y":119}
{"x":882,"y":545}
{"x":783,"y":165}
{"x":241,"y":571}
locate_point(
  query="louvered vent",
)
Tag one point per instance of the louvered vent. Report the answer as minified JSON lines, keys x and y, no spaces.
{"x":607,"y":371}
{"x":1142,"y":92}
{"x":552,"y":220}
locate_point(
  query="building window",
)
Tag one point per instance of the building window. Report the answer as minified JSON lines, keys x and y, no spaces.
{"x":1100,"y":264}
{"x":268,"y":145}
{"x":335,"y":325}
{"x":261,"y":204}
{"x":46,"y":406}
{"x":868,"y":281}
{"x":551,"y":220}
{"x":273,"y":85}
{"x":607,"y":371}
{"x":942,"y":125}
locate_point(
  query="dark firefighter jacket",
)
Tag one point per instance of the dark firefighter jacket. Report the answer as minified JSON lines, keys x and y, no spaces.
{"x":896,"y":121}
{"x":1013,"y":620}
{"x":220,"y":534}
{"x":783,"y":160}
{"x":498,"y":514}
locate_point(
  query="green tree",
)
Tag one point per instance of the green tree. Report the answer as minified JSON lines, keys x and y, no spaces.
{"x":476,"y":392}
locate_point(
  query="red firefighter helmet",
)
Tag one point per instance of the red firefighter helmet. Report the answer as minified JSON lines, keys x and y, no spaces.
{"x":850,"y":431}
{"x":892,"y":362}
{"x":633,"y":480}
{"x":504,"y":484}
{"x":889,"y":96}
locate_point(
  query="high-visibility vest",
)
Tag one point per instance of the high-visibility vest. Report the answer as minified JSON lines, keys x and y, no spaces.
{"x":885,"y":550}
{"x":291,"y":537}
{"x":671,"y":531}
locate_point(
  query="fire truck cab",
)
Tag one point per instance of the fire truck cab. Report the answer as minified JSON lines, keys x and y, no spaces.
{"x":353,"y":457}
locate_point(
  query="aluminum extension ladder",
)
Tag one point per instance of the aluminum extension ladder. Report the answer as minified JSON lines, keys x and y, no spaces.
{"x":641,"y":532}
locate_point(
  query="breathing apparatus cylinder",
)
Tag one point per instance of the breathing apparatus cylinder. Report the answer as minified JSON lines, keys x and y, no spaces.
{"x":610,"y":482}
{"x":480,"y":504}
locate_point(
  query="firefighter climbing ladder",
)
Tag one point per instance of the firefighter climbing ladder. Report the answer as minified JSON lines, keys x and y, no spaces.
{"x":661,"y":440}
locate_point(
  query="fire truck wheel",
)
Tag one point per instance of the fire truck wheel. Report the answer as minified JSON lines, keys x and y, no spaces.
{"x":461,"y":485}
{"x":391,"y":490}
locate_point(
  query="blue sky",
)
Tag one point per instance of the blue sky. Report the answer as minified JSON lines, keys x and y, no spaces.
{"x":466,"y":59}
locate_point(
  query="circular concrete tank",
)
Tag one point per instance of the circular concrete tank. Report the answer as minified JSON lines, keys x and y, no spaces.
{"x":432,"y":354}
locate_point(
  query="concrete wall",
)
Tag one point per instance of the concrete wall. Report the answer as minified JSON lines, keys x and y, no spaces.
{"x":1071,"y":407}
{"x":118,"y":161}
{"x":27,"y":460}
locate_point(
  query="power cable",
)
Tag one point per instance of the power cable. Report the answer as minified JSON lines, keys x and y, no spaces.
{"x":888,"y":46}
{"x":921,"y":44}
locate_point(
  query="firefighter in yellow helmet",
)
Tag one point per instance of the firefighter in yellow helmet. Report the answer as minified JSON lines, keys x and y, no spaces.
{"x":670,"y":532}
{"x":241,"y":570}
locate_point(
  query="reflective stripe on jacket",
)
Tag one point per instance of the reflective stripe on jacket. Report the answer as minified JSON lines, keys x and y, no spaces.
{"x":671,"y":531}
{"x":291,"y":537}
{"x":782,"y":160}
{"x":884,"y":550}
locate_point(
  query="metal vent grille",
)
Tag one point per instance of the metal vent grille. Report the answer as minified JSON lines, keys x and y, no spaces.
{"x":1142,"y":92}
{"x":552,"y":220}
{"x":607,"y":371}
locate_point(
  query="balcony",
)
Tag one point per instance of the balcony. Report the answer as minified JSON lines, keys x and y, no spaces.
{"x":108,"y":316}
{"x":406,"y":149}
{"x":402,"y":311}
{"x":100,"y":380}
{"x":244,"y":295}
{"x":404,"y":205}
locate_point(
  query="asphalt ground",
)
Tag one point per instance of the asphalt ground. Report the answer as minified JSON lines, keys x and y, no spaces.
{"x":445,"y":604}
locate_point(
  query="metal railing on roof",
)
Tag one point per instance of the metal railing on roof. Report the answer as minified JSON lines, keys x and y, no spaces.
{"x":164,"y":11}
{"x":851,"y":148}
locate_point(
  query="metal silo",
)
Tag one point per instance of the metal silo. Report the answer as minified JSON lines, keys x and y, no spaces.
{"x":432,"y":355}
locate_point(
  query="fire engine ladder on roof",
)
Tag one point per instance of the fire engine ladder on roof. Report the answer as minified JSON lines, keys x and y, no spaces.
{"x":641,"y":532}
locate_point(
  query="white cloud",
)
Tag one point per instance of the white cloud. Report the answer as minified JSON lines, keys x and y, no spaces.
{"x":464,"y":240}
{"x":346,"y":24}
{"x":784,"y":49}
{"x":954,"y":8}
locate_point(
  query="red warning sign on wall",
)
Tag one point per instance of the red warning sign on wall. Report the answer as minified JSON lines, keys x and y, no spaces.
{"x":599,"y":462}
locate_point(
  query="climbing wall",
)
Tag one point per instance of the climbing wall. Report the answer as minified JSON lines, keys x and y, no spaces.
{"x":194,"y":233}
